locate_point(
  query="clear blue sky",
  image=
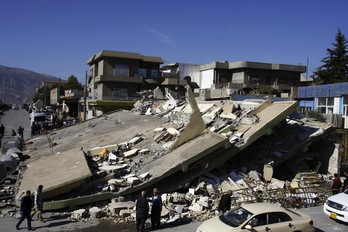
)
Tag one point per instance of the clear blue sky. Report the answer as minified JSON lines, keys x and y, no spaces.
{"x":58,"y":37}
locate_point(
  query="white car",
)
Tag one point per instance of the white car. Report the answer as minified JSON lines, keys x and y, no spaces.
{"x":259,"y":217}
{"x":336,"y":206}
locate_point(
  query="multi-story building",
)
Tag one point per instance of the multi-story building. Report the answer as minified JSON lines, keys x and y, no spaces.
{"x":246,"y":75}
{"x":332,"y":102}
{"x":120,"y":75}
{"x":239,"y":77}
{"x":116,"y":77}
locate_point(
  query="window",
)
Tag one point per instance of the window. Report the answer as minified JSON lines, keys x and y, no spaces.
{"x":278,"y":217}
{"x":121,"y":70}
{"x":345,"y":106}
{"x":142,"y":72}
{"x":119,"y":93}
{"x":326,"y":105}
{"x":154,"y":73}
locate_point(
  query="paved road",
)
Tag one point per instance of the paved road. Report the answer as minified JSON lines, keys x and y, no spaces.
{"x":12,"y":119}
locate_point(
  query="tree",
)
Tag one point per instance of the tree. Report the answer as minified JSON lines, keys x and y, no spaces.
{"x":73,"y":84}
{"x":43,"y":92}
{"x":335,"y":65}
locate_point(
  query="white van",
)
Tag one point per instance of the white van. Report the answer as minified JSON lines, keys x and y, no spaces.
{"x":37,"y":117}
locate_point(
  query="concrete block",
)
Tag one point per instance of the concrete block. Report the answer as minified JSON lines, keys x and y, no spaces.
{"x":95,"y":212}
{"x":135,"y":140}
{"x":173,"y":131}
{"x":125,"y":212}
{"x":131,"y":153}
{"x":196,"y":207}
{"x":79,"y":214}
{"x":211,"y":189}
{"x":144,"y":175}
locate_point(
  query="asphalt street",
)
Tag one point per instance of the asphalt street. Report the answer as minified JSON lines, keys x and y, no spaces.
{"x":12,"y":119}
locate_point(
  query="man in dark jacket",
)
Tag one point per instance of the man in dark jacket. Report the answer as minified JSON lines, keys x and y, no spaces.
{"x":142,"y":211}
{"x":25,"y":210}
{"x":156,"y":209}
{"x":336,"y":184}
{"x":345,"y":182}
{"x":225,"y":202}
{"x":38,"y":203}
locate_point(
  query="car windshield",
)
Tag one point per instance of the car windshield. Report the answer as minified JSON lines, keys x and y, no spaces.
{"x":236,"y":216}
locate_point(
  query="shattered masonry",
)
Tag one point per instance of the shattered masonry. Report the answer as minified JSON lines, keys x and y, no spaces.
{"x":175,"y":145}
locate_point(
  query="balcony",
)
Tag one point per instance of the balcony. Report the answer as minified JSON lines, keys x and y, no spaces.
{"x":110,"y":78}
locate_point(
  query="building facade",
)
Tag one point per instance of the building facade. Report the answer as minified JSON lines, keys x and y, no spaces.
{"x":239,"y":77}
{"x":332,"y":102}
{"x":116,"y":78}
{"x":120,"y":75}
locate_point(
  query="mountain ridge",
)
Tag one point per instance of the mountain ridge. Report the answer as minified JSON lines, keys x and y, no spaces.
{"x":18,"y":85}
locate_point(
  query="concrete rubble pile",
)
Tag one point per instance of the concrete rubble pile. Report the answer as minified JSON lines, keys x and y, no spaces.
{"x":201,"y":202}
{"x":12,"y":156}
{"x":174,"y":145}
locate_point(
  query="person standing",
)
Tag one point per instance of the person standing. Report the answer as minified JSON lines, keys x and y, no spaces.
{"x":345,"y":182}
{"x":142,"y":211}
{"x":336,"y":184}
{"x":38,"y":203}
{"x":156,"y":209}
{"x":20,"y":131}
{"x":13,"y":133}
{"x":2,"y":130}
{"x":25,"y":209}
{"x":225,"y":202}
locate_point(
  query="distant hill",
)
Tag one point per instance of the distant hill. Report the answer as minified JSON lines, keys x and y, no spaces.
{"x":19,"y":85}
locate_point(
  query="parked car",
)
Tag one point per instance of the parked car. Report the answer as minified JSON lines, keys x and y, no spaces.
{"x":259,"y":217}
{"x":336,"y":206}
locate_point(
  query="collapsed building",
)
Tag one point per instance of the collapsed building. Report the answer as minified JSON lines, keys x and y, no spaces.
{"x":187,"y":146}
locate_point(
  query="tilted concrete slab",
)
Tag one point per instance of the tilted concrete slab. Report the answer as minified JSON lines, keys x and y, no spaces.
{"x":58,"y":174}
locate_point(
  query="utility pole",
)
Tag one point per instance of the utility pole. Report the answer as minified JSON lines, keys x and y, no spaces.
{"x":3,"y":88}
{"x":85,"y":99}
{"x":178,"y":85}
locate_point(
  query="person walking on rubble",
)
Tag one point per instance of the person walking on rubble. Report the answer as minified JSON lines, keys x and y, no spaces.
{"x":38,"y":204}
{"x":25,"y":209}
{"x":225,"y":202}
{"x":336,"y":184}
{"x":156,"y":209}
{"x":142,"y":211}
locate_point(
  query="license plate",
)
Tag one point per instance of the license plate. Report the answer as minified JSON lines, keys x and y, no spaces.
{"x":333,"y":215}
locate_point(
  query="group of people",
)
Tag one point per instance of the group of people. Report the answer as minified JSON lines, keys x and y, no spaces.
{"x":31,"y":205}
{"x":142,"y":210}
{"x":20,"y":132}
{"x":335,"y":183}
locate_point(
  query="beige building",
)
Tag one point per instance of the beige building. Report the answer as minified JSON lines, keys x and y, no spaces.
{"x":116,"y":77}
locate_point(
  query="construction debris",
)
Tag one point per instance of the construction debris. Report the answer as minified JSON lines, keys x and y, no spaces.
{"x":192,"y":151}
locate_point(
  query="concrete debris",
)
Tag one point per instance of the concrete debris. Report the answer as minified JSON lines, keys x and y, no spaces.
{"x":79,"y":214}
{"x":192,"y":151}
{"x":95,"y":212}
